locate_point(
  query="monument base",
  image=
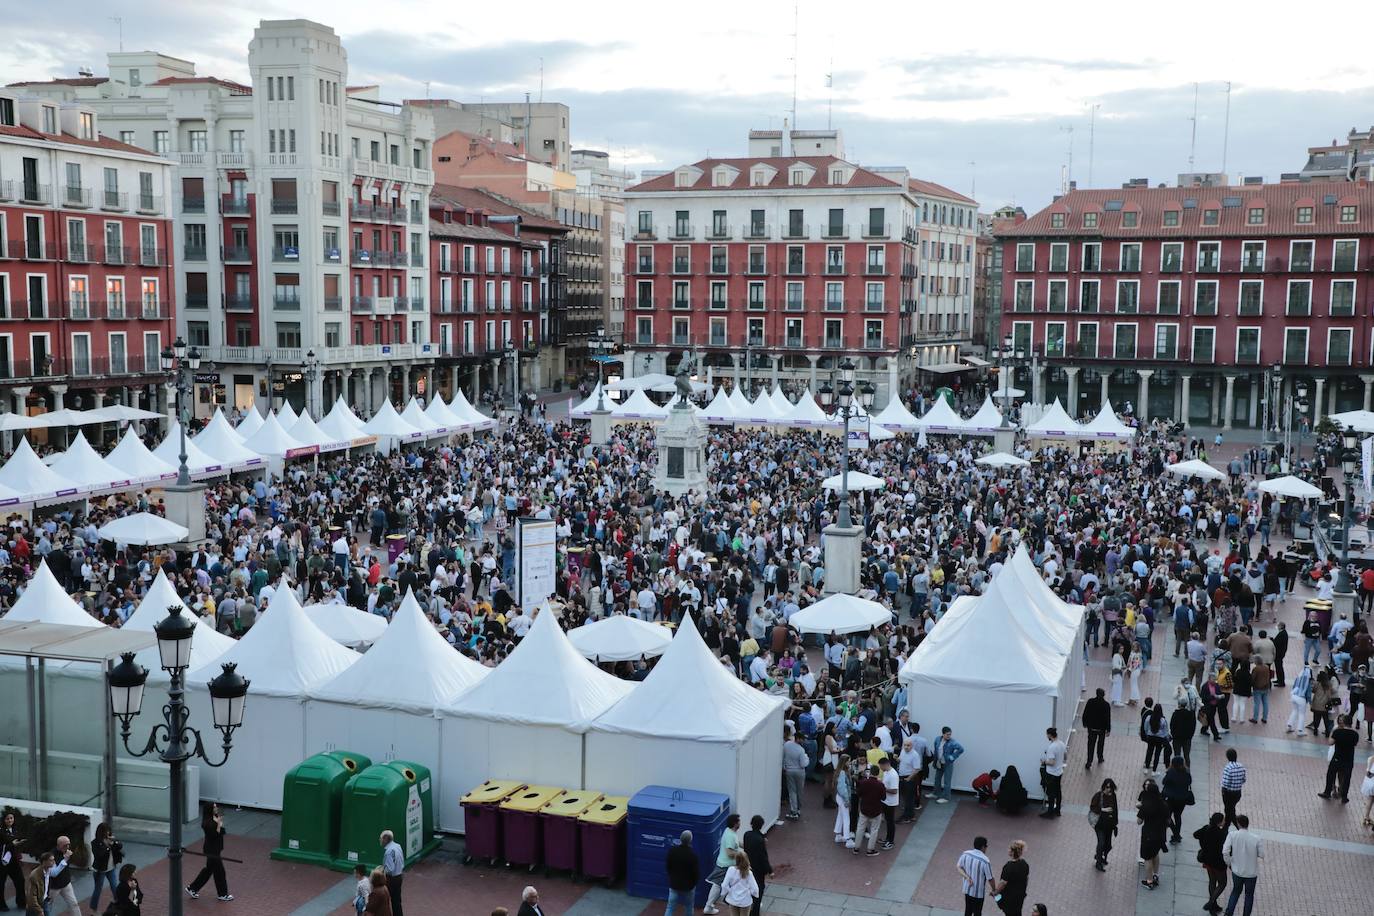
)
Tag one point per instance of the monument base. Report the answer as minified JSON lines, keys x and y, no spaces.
{"x":601,"y":427}
{"x":842,"y":551}
{"x":186,"y":506}
{"x":1004,"y":440}
{"x":681,"y":442}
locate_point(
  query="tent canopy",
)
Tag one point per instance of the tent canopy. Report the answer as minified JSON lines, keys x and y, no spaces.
{"x":620,"y":638}
{"x":387,"y":422}
{"x":131,"y":457}
{"x":806,"y":412}
{"x":462,"y":408}
{"x":27,"y":475}
{"x":286,"y":415}
{"x":840,"y":614}
{"x":198,"y":463}
{"x":896,"y":417}
{"x":720,"y":409}
{"x":222,"y":441}
{"x":1056,"y":423}
{"x":145,"y":529}
{"x":941,"y":418}
{"x":207,"y":646}
{"x":440,"y":413}
{"x":1001,"y":460}
{"x":690,"y":695}
{"x":1362,"y":421}
{"x":271,"y":441}
{"x":252,"y":421}
{"x":638,"y":407}
{"x":346,"y":625}
{"x":988,"y":419}
{"x":83,"y":466}
{"x":1195,"y":468}
{"x":1290,"y":486}
{"x":1107,"y":425}
{"x":416,"y":417}
{"x":858,"y":480}
{"x":588,"y":407}
{"x":544,"y":681}
{"x":44,"y":601}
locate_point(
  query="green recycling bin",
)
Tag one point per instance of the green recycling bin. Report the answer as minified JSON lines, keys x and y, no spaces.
{"x":395,"y":796}
{"x":312,"y":797}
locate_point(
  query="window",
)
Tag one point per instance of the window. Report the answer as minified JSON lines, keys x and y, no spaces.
{"x":1304,"y":215}
{"x":1252,"y":256}
{"x":876,"y":226}
{"x":756,"y":225}
{"x":1208,"y":257}
{"x":1349,"y":213}
{"x":1056,"y":220}
{"x":1092,"y":256}
{"x":1130,"y":256}
{"x":834,"y":259}
{"x":795,"y":260}
{"x":1088,"y":295}
{"x":644,"y":297}
{"x":795,"y":227}
{"x":1251,"y":297}
{"x":682,"y":298}
{"x":756,"y":300}
{"x":1059,"y":296}
{"x":1128,"y":296}
{"x":1025,"y":257}
{"x":1129,"y":220}
{"x":1299,"y":297}
{"x":1254,"y":216}
{"x":682,"y":258}
{"x":128,"y":137}
{"x":1247,"y":345}
{"x":644,"y":257}
{"x":1059,"y":257}
{"x":682,"y":224}
{"x":834,"y":227}
{"x":719,"y":260}
{"x":1205,"y":297}
{"x":49,"y":119}
{"x":1338,"y":346}
{"x":873,"y":297}
{"x":160,"y":145}
{"x":1211,"y":217}
{"x":1170,"y":294}
{"x":289,"y":334}
{"x":1166,"y":341}
{"x":1204,"y":345}
{"x":1025,"y":296}
{"x":198,"y":333}
{"x":1170,"y":217}
{"x":834,"y":297}
{"x":1123,"y":341}
{"x":1054,"y":339}
{"x":718,"y":224}
{"x":1087,"y":339}
{"x":795,"y":302}
{"x":1090,"y":220}
{"x":1343,"y":298}
{"x":718,"y":300}
{"x":7,"y":112}
{"x":1300,"y":255}
{"x":1295,"y":345}
{"x":876,"y":259}
{"x":114,"y":297}
{"x":1344,"y":254}
{"x":1171,"y":257}
{"x":196,"y":141}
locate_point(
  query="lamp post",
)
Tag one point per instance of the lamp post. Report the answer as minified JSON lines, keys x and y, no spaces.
{"x":267,"y":363}
{"x":512,"y":353}
{"x":172,"y":739}
{"x":178,"y":359}
{"x":311,"y":370}
{"x":840,"y":390}
{"x":1300,"y":408}
{"x":601,"y":346}
{"x":1350,"y":456}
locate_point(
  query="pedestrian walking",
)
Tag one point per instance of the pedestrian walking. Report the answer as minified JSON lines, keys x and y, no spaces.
{"x":976,"y":873}
{"x":1152,"y":814}
{"x":1011,"y":885}
{"x":1211,"y":838}
{"x":1232,"y":782}
{"x":1367,"y":790}
{"x":393,"y":867}
{"x":684,"y":873}
{"x":1177,"y":789}
{"x":891,"y":799}
{"x":794,"y":764}
{"x":1154,"y":731}
{"x":871,"y":793}
{"x":1103,"y":815}
{"x":1261,"y":677}
{"x":10,"y":867}
{"x":756,"y":852}
{"x":1097,"y":721}
{"x":740,"y":887}
{"x":1300,"y":697}
{"x":725,"y":857}
{"x":1052,"y":773}
{"x":1182,"y":725}
{"x":1344,"y":740}
{"x":1242,"y":851}
{"x":107,"y":854}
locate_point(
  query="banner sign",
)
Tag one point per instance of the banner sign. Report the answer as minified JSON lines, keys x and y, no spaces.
{"x":536,"y":564}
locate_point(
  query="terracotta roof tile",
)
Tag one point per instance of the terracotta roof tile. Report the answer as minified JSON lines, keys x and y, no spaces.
{"x":65,"y":81}
{"x":932,"y":189}
{"x":212,"y":80}
{"x":860,"y":178}
{"x":101,"y":142}
{"x":477,"y":199}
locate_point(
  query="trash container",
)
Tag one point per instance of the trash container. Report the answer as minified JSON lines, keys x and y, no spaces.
{"x":560,"y":828}
{"x":657,"y":816}
{"x":602,"y":833}
{"x":482,"y":818}
{"x":395,"y":546}
{"x":394,"y":796}
{"x":312,"y":798}
{"x":522,"y":841}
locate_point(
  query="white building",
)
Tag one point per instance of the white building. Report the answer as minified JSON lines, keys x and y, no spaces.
{"x":301,"y":208}
{"x":944,"y":294}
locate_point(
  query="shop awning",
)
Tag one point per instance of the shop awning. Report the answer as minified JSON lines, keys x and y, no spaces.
{"x":943,"y":368}
{"x":62,"y":642}
{"x":976,"y":361}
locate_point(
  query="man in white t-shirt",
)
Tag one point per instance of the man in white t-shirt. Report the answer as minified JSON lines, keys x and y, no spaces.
{"x":891,"y":799}
{"x":519,"y":624}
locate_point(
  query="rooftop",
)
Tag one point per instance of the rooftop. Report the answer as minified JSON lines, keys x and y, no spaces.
{"x":858,"y":177}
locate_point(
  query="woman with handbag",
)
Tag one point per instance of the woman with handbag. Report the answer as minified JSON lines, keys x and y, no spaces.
{"x":1211,"y":840}
{"x":1177,"y":788}
{"x":1325,"y":698}
{"x":106,"y":855}
{"x":830,"y":756}
{"x":10,"y":867}
{"x":844,"y":833}
{"x":1152,"y":814}
{"x":1103,"y":815}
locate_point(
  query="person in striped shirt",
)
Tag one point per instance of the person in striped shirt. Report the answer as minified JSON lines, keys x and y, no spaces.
{"x":976,"y":871}
{"x":1232,"y":781}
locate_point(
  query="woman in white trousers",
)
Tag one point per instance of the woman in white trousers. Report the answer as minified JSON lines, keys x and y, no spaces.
{"x":1118,"y":666}
{"x":842,"y":789}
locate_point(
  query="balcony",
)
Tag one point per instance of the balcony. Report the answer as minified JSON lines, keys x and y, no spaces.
{"x":361,"y":257}
{"x":238,"y":159}
{"x":830,"y":342}
{"x":80,"y":310}
{"x":193,"y":205}
{"x":152,"y":257}
{"x":644,"y":302}
{"x":395,"y":214}
{"x":795,"y":305}
{"x":193,"y":253}
{"x":834,"y":270}
{"x":417,"y":219}
{"x":834,"y":305}
{"x":417,"y":303}
{"x":878,"y":343}
{"x":285,"y":253}
{"x":197,"y":300}
{"x":233,"y":206}
{"x":30,"y":193}
{"x":333,"y":303}
{"x":757,"y":305}
{"x":237,"y":254}
{"x":152,"y":310}
{"x":836,"y":231}
{"x":875,"y":305}
{"x":115,"y":310}
{"x":238,"y":302}
{"x":797,"y":231}
{"x":75,"y":196}
{"x":718,"y":233}
{"x":756,"y":231}
{"x":193,"y":160}
{"x":400,"y":303}
{"x":287,"y":299}
{"x":645,"y":233}
{"x":682,"y":232}
{"x":417,"y":259}
{"x":78,"y":253}
{"x":876,"y":231}
{"x":6,"y":189}
{"x":149,"y":204}
{"x":362,"y":304}
{"x":1252,"y":265}
{"x":111,"y":200}
{"x":793,"y":342}
{"x":875,"y":270}
{"x":330,"y":208}
{"x":284,"y":205}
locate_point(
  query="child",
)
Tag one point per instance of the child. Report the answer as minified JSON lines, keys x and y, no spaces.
{"x":986,"y":786}
{"x":364,"y":888}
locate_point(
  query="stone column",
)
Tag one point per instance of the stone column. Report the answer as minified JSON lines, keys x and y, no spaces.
{"x":1253,"y":412}
{"x":1142,"y":407}
{"x":1230,"y":403}
{"x":1072,"y":397}
{"x":1106,"y":380}
{"x":1368,"y":389}
{"x":1216,"y":400}
{"x":815,"y":360}
{"x":737,"y":360}
{"x":476,"y":384}
{"x":1038,"y":384}
{"x":893,"y":381}
{"x":314,"y":395}
{"x":628,"y":366}
{"x":1185,"y":381}
{"x":1317,"y":403}
{"x":1331,"y":398}
{"x":429,"y":384}
{"x":452,"y":381}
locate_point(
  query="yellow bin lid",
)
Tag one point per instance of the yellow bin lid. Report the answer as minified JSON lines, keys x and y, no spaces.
{"x":531,"y":798}
{"x":571,"y":804}
{"x":611,"y":810}
{"x":492,"y":791}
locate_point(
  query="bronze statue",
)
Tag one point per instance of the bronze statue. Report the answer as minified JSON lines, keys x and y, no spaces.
{"x":684,"y":381}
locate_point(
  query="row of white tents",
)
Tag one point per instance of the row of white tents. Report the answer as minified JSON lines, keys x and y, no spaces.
{"x":219,"y":449}
{"x":546,"y":715}
{"x":1055,"y":423}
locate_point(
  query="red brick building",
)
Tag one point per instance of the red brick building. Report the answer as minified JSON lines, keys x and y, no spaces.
{"x":86,"y":283}
{"x":1189,"y":302}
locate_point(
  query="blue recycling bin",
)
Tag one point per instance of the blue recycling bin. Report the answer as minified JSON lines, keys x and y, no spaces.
{"x":657,"y":817}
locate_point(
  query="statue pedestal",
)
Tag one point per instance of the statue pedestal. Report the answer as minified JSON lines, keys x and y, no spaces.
{"x":842,"y":548}
{"x":601,"y":427}
{"x":1004,"y":439}
{"x":681,"y":442}
{"x":186,"y":506}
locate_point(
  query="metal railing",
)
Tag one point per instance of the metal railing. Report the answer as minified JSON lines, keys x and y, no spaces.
{"x":333,"y":303}
{"x":233,"y":206}
{"x":193,"y":205}
{"x":193,"y":252}
{"x":238,"y":302}
{"x":148,"y":203}
{"x":237,"y":253}
{"x":114,"y":200}
{"x":284,"y":205}
{"x":836,"y":231}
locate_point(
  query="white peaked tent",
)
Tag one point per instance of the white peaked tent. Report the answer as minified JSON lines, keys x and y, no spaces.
{"x":197,"y":462}
{"x":781,"y":405}
{"x":766,"y":409}
{"x":841,"y":614}
{"x":720,"y":410}
{"x":271,"y":441}
{"x":1195,"y":468}
{"x":144,"y":529}
{"x":693,"y":724}
{"x":1107,"y":425}
{"x":44,"y":601}
{"x":858,"y":480}
{"x":346,"y":625}
{"x":283,"y":656}
{"x":207,"y":646}
{"x":132,"y":458}
{"x":744,"y":409}
{"x":462,"y":408}
{"x":941,"y":418}
{"x":252,"y":421}
{"x":286,"y":415}
{"x":638,"y":407}
{"x":388,"y":426}
{"x":1290,"y":486}
{"x":416,"y":417}
{"x":307,"y":432}
{"x":27,"y":475}
{"x":1055,"y":423}
{"x":1001,"y":460}
{"x":587,"y":407}
{"x":525,"y":720}
{"x":342,"y":424}
{"x":996,"y":668}
{"x":419,"y":671}
{"x":620,"y":638}
{"x":896,"y":417}
{"x":441,"y":414}
{"x":1362,"y":421}
{"x":224,"y":443}
{"x":83,"y":466}
{"x":986,"y":421}
{"x":806,"y":412}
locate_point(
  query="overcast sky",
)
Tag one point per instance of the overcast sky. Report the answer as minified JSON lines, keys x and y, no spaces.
{"x":960,"y":93}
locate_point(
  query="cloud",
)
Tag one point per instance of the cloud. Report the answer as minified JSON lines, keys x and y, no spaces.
{"x":974,"y":62}
{"x":953,"y":92}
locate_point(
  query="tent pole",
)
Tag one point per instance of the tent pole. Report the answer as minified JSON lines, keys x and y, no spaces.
{"x":109,"y":782}
{"x":33,"y":730}
{"x":42,"y":723}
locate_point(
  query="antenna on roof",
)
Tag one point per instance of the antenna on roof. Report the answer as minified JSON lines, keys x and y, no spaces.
{"x":119,"y":21}
{"x":830,"y":104}
{"x":426,"y":88}
{"x":1068,"y":170}
{"x":1192,"y":144}
{"x":1092,"y":130}
{"x":541,"y":84}
{"x":1226,"y":130}
{"x":973,"y":180}
{"x":796,"y":6}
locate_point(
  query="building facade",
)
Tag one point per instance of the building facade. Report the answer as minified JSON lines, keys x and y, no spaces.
{"x":538,"y":129}
{"x":1206,"y":305}
{"x":87,"y":291}
{"x":948,"y":232}
{"x":300,"y":206}
{"x":772,"y":267}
